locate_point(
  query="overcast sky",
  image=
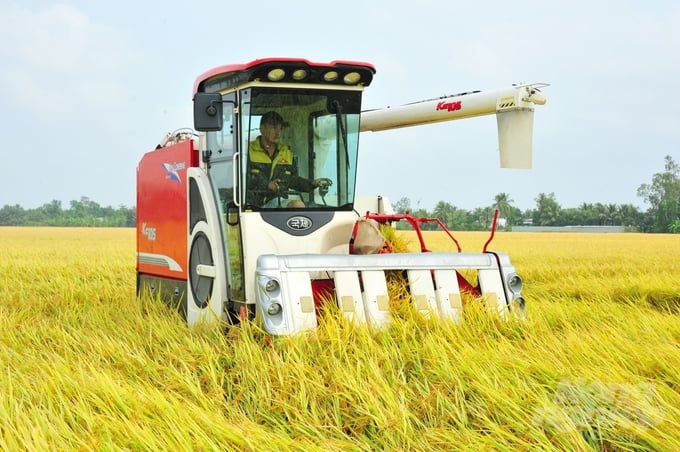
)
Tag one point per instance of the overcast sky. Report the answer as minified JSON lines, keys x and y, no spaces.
{"x":87,"y":87}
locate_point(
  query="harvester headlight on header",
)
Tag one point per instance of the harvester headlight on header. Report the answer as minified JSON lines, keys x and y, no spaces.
{"x":274,"y":309}
{"x":515,"y":283}
{"x":270,"y":290}
{"x":516,"y":302}
{"x":272,"y":286}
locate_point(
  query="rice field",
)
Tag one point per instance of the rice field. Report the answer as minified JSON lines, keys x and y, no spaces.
{"x":85,"y":365}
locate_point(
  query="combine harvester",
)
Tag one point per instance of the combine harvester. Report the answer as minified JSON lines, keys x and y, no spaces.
{"x":208,"y":243}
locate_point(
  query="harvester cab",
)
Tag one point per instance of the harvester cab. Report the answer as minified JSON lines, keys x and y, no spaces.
{"x":256,"y":219}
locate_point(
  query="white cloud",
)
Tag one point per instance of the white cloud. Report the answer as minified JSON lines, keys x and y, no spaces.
{"x":58,"y":62}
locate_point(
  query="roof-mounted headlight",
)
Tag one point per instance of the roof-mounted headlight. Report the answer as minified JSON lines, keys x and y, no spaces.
{"x":351,"y":78}
{"x":299,"y":74}
{"x":276,"y":75}
{"x":330,"y":76}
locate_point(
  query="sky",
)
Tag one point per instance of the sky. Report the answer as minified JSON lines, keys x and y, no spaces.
{"x":88,"y":87}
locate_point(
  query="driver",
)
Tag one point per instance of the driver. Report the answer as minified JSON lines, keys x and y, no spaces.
{"x":271,"y":171}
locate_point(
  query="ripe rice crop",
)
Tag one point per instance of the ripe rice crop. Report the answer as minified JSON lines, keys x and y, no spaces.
{"x":86,"y":365}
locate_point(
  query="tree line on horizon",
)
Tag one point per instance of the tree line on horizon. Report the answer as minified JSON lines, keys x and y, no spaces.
{"x":663,"y":216}
{"x":84,"y":212}
{"x":662,"y":194}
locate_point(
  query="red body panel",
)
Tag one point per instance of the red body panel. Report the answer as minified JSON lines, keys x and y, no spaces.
{"x":162,"y":210}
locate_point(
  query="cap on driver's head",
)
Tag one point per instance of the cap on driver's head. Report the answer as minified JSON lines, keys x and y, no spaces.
{"x":273,"y":118}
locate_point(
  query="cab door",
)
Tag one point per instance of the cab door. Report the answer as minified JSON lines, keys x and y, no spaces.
{"x":221,"y":160}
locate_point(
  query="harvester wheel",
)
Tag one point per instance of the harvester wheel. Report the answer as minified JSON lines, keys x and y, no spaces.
{"x":200,"y":254}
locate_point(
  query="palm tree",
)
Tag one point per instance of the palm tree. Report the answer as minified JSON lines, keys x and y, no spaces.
{"x":547,"y":210}
{"x":444,"y":211}
{"x":502,"y":202}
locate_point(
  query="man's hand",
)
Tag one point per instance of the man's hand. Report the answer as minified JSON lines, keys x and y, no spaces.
{"x":274,"y":185}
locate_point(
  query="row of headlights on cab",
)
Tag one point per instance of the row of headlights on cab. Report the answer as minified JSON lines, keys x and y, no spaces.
{"x":278,"y":74}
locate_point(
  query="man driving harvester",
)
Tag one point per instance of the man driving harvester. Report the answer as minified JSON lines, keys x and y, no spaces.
{"x":271,"y":171}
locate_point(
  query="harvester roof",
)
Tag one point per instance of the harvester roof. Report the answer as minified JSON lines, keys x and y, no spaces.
{"x":289,"y":70}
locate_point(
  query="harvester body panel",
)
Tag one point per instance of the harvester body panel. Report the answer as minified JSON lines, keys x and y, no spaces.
{"x":162,"y":210}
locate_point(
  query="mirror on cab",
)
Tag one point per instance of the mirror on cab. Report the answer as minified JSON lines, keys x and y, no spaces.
{"x":208,"y":112}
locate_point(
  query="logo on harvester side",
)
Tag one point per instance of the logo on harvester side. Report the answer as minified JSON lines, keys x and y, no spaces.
{"x":149,"y":233}
{"x":171,"y":170}
{"x":450,"y":106}
{"x":299,"y":223}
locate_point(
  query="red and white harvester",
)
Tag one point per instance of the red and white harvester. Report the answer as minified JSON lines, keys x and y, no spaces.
{"x":204,"y":248}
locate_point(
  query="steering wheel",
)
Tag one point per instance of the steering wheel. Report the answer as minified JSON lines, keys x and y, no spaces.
{"x":324,"y":186}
